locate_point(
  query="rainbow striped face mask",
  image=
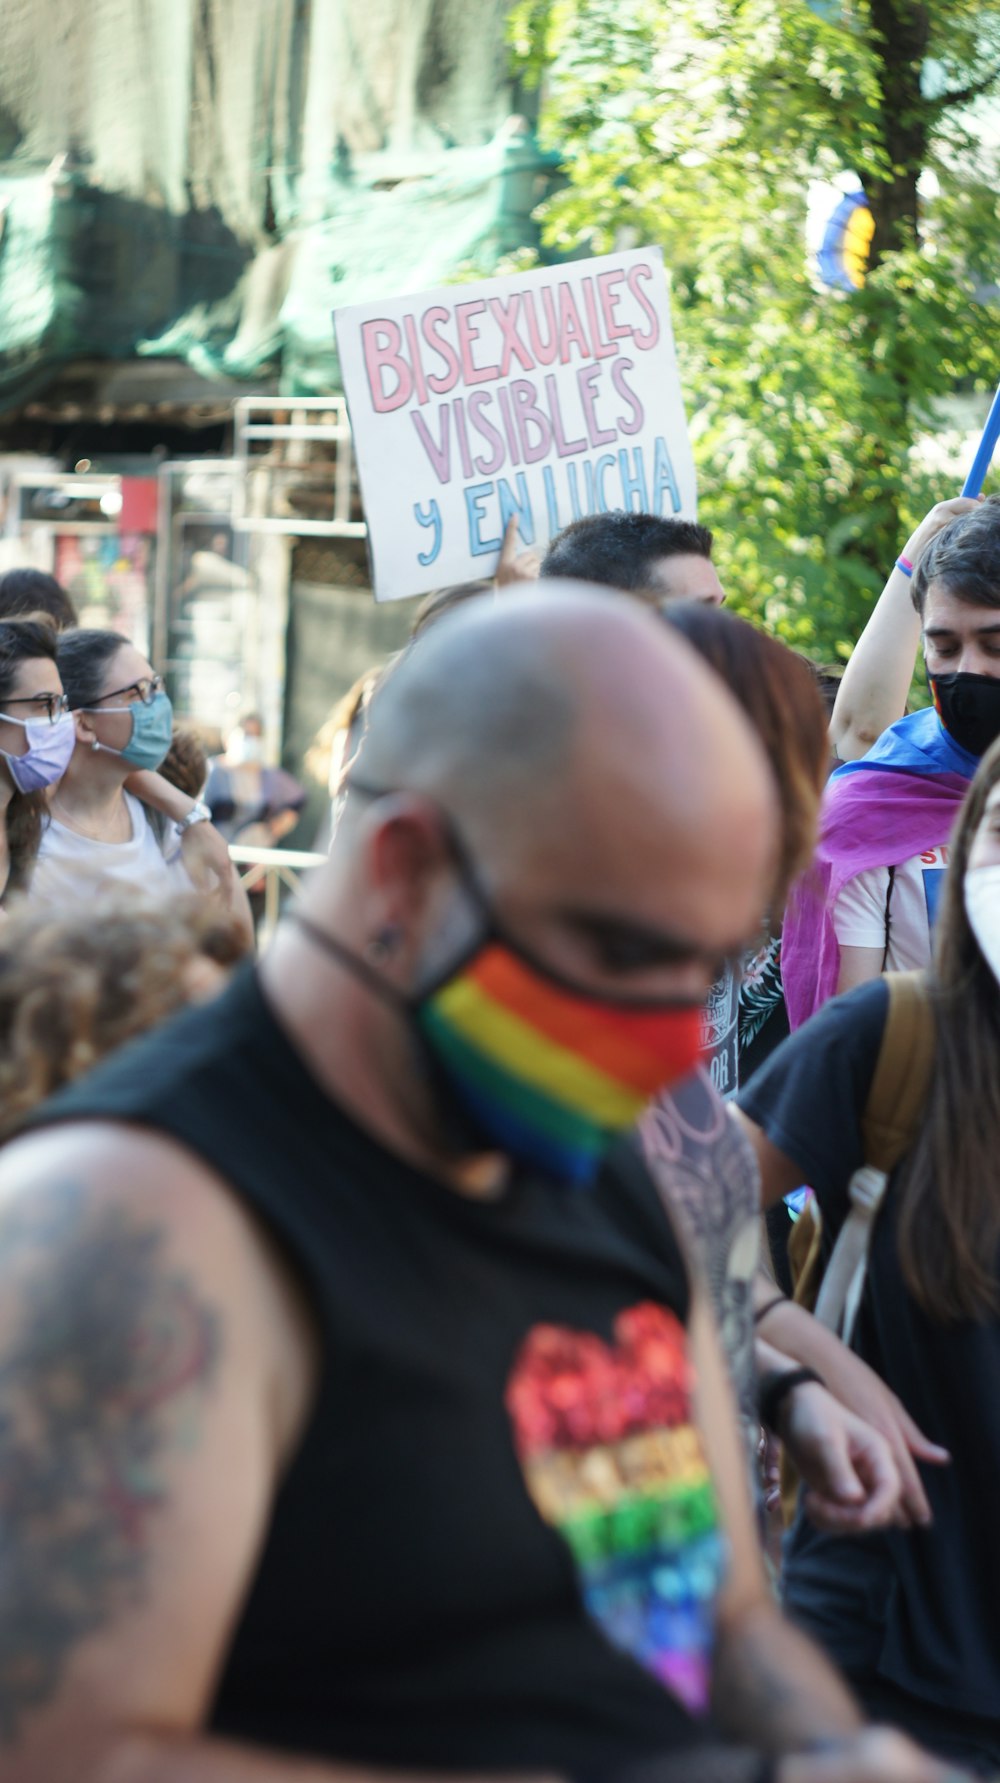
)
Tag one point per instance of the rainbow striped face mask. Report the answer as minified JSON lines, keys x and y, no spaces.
{"x":534,"y":1065}
{"x":550,"y":1074}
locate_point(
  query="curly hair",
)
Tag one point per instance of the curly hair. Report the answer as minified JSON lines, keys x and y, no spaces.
{"x":76,"y":986}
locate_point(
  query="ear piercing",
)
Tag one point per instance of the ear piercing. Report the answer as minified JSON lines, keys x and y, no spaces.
{"x":379,"y":949}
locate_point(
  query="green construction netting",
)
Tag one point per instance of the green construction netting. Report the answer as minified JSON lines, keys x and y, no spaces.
{"x":207,"y":179}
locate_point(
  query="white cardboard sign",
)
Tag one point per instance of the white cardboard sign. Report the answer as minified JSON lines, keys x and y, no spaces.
{"x":547,"y":395}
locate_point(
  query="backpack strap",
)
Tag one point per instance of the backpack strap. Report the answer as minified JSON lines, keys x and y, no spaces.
{"x":888,"y":1127}
{"x":903,"y":1072}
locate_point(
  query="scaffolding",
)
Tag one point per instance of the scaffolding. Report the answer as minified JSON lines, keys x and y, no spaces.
{"x":290,"y":456}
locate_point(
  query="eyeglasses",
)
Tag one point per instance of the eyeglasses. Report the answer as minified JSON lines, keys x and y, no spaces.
{"x":48,"y":705}
{"x":145,"y":690}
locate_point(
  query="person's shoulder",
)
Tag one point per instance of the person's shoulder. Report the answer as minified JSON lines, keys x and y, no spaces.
{"x":857,"y":1018}
{"x":61,"y":1185}
{"x":115,"y":1227}
{"x":831,"y":1056}
{"x":854,"y":1019}
{"x":143,"y":819}
{"x":809,"y":1097}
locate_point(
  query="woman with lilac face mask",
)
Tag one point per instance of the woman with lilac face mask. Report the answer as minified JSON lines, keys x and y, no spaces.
{"x":37,"y":736}
{"x":98,"y":833}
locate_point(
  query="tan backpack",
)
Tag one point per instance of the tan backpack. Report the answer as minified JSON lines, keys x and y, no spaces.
{"x":888,"y":1128}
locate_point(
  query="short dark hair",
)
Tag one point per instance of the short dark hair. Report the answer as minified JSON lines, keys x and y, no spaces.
{"x":619,"y":549}
{"x":27,"y":591}
{"x":965,"y":556}
{"x":83,"y":657}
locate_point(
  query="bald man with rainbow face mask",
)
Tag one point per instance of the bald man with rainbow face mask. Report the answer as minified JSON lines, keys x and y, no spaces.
{"x":439,"y":1471}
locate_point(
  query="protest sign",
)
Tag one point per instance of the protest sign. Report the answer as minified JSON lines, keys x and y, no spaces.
{"x":547,"y":395}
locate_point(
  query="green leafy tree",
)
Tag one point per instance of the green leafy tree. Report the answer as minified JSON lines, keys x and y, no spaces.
{"x":699,"y":125}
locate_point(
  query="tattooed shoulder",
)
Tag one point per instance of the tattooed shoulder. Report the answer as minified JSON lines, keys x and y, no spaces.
{"x":107,"y":1351}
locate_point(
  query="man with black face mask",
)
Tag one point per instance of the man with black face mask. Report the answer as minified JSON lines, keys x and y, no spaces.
{"x":883,"y":853}
{"x":355,"y":1419}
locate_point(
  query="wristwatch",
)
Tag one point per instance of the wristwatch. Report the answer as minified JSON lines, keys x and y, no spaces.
{"x":198,"y":813}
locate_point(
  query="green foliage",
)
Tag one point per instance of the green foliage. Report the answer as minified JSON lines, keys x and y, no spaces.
{"x":698,"y":125}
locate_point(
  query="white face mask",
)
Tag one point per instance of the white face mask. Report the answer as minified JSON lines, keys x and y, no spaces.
{"x":982,"y":907}
{"x":245,"y":750}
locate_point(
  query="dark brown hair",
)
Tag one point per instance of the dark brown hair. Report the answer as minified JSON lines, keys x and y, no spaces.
{"x":964,"y":557}
{"x":24,"y":640}
{"x":185,"y":764}
{"x":778,"y":692}
{"x":949,"y":1215}
{"x":27,"y":592}
{"x":621,"y":549}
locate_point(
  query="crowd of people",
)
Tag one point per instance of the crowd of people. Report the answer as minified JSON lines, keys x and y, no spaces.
{"x":412,"y":1337}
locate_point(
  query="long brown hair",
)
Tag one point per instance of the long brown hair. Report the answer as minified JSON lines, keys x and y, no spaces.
{"x":24,"y":640}
{"x":949,"y":1214}
{"x":779,"y":694}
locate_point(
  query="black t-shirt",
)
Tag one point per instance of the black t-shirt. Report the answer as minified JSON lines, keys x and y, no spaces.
{"x":919,"y":1608}
{"x":496,"y":1545}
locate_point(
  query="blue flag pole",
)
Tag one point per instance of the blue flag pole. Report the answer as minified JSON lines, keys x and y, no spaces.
{"x":984,"y":452}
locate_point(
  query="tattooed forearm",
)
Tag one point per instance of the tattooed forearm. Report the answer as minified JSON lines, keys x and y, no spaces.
{"x":106,"y":1353}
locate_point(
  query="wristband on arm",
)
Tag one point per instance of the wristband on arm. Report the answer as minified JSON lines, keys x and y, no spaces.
{"x":775,"y":1387}
{"x":769,"y":1306}
{"x":904,"y":564}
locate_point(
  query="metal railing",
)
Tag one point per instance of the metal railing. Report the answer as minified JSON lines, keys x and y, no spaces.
{"x":274,"y":870}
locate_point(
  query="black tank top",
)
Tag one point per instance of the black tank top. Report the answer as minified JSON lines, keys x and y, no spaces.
{"x":490,"y":1370}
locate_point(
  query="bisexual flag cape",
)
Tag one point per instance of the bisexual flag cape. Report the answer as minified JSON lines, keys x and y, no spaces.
{"x":900,"y":798}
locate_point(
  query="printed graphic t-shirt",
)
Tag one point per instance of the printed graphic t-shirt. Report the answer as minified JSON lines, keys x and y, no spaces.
{"x":859,"y":915}
{"x":720,"y":1033}
{"x":497,"y":1545}
{"x":919,"y":1608}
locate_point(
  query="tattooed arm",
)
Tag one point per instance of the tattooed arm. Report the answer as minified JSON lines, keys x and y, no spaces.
{"x":156,"y":1368}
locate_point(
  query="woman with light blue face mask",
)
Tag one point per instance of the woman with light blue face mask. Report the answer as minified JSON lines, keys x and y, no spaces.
{"x":36,"y":740}
{"x":98,"y":832}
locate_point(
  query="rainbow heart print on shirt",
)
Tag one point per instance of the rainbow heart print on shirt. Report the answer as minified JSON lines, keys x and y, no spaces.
{"x":613,"y":1461}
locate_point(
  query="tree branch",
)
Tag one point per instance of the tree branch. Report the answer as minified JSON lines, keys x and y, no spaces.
{"x":963,"y":95}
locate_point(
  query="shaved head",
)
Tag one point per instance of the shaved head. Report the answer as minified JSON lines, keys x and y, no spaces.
{"x":478,"y":709}
{"x":574,"y":739}
{"x":556,"y":771}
